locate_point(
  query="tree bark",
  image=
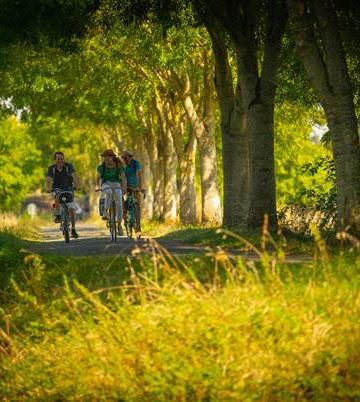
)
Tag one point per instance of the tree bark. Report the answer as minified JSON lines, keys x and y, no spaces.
{"x":205,"y":135}
{"x":326,"y":67}
{"x":142,"y":155}
{"x":169,"y":161}
{"x":234,"y":139}
{"x":257,"y":91}
{"x":155,"y":159}
{"x":186,"y":153}
{"x":210,"y":194}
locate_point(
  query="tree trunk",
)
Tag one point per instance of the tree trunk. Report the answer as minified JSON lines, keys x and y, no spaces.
{"x":234,"y":140}
{"x":142,"y":155}
{"x":155,"y":160}
{"x":210,"y":194}
{"x":188,"y":213}
{"x":258,"y":101}
{"x":186,"y":157}
{"x":205,"y":135}
{"x":169,"y":177}
{"x":169,"y":161}
{"x":241,"y":21}
{"x":328,"y":75}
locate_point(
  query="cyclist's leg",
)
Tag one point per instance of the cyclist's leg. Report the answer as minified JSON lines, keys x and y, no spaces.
{"x":57,"y":205}
{"x":119,"y":207}
{"x":72,"y":213}
{"x":118,"y":203}
{"x":57,"y":209}
{"x":72,"y":216}
{"x":108,"y":196}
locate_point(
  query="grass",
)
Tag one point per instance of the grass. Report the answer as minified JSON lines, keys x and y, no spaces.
{"x":213,"y":236}
{"x":161,"y":328}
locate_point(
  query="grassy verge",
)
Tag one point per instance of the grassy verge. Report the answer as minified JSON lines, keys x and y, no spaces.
{"x":159,"y":328}
{"x":215,"y":236}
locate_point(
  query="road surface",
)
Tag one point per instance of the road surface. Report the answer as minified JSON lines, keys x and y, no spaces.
{"x":95,"y":241}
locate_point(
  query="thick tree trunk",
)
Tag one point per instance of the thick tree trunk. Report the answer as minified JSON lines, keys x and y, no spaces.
{"x":210,"y":194}
{"x":186,"y":157}
{"x":188,"y":213}
{"x":142,"y":155}
{"x":234,"y":140}
{"x":241,"y":21}
{"x":155,"y":161}
{"x":204,"y":130}
{"x":258,"y":95}
{"x":169,"y":162}
{"x":260,"y":129}
{"x":328,"y":75}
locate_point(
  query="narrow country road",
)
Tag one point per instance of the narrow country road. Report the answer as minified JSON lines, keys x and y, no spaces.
{"x":95,"y":241}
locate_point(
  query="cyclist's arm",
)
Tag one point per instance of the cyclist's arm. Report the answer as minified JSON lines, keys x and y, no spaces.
{"x":48,"y":184}
{"x":139,"y":176}
{"x":123,"y":181}
{"x":99,"y":181}
{"x":75,"y":180}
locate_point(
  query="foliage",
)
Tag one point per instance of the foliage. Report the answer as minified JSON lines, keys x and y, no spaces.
{"x":294,"y":149}
{"x":81,"y":144}
{"x":56,"y":20}
{"x":324,"y":194}
{"x":19,"y":164}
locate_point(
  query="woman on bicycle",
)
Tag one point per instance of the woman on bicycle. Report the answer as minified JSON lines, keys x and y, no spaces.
{"x":111,"y":179}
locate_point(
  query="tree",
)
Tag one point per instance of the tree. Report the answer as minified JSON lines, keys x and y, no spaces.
{"x":54,"y":21}
{"x":247,"y":113}
{"x":319,"y":44}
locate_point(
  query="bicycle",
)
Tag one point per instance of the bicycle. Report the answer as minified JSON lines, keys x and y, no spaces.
{"x":65,"y":197}
{"x":112,"y":222}
{"x":132,"y":213}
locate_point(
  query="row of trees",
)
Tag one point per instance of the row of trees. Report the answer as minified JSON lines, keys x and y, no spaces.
{"x":151,"y":86}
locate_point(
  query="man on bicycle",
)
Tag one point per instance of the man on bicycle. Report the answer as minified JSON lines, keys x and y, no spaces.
{"x":111,"y":179}
{"x":133,"y":172}
{"x":61,"y":176}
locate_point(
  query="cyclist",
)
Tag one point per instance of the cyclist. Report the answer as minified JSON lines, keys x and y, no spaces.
{"x":111,"y":179}
{"x":61,"y":175}
{"x":133,"y":174}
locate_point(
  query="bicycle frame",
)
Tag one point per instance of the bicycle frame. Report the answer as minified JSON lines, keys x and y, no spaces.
{"x":131,"y":213}
{"x":113,"y":219}
{"x":64,"y":213}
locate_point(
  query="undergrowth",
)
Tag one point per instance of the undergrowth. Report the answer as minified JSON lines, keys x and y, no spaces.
{"x":160,"y":328}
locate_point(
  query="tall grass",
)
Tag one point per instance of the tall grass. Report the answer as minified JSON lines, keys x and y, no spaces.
{"x":160,"y":328}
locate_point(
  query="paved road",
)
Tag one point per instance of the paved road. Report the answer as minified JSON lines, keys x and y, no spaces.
{"x":95,"y":241}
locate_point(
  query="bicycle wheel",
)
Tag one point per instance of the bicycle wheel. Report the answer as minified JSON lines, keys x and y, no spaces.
{"x":127,"y":224}
{"x":113,"y":229}
{"x":132,"y":218}
{"x":65,"y":224}
{"x":137,"y":220}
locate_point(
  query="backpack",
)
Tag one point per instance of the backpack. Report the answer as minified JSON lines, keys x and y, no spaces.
{"x":133,"y":165}
{"x":66,"y":169}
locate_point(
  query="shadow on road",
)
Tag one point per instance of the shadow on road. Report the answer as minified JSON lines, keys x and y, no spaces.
{"x":95,"y":242}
